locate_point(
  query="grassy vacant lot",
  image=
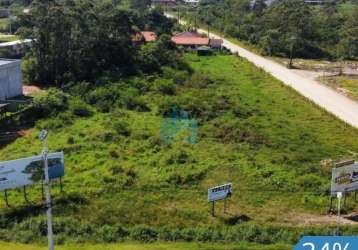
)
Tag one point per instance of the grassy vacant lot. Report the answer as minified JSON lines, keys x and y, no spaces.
{"x":8,"y":38}
{"x":273,"y":145}
{"x":156,"y":246}
{"x":4,"y":23}
{"x":351,"y":85}
{"x":347,"y":84}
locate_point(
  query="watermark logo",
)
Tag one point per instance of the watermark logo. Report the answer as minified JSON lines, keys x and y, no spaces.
{"x":178,"y":124}
{"x":327,"y":243}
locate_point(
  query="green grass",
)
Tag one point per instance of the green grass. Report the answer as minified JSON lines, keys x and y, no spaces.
{"x":156,"y":246}
{"x":351,"y":85}
{"x":4,"y":23}
{"x":253,"y":131}
{"x":347,"y":7}
{"x":8,"y":38}
{"x":346,"y":83}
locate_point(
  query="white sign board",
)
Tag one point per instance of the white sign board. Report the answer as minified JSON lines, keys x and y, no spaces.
{"x":26,"y":171}
{"x":344,"y":179}
{"x":219,"y":192}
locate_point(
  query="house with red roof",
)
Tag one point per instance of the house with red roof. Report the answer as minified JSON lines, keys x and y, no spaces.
{"x":144,"y":37}
{"x":194,"y":40}
{"x":149,"y":36}
{"x":191,"y":40}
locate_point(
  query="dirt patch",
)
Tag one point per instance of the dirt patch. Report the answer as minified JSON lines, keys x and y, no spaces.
{"x":30,"y":89}
{"x":311,"y":219}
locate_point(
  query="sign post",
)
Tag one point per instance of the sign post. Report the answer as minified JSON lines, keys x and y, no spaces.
{"x":339,"y":197}
{"x":219,"y":193}
{"x":43,"y":138}
{"x":344,"y":179}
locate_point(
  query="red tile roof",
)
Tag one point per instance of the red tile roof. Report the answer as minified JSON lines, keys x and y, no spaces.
{"x":188,"y":34}
{"x":149,"y":36}
{"x":190,"y":38}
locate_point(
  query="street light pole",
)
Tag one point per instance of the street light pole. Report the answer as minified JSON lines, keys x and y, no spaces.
{"x":43,"y":138}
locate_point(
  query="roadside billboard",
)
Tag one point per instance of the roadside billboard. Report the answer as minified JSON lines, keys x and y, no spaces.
{"x":344,"y":179}
{"x":27,"y":171}
{"x":219,"y":192}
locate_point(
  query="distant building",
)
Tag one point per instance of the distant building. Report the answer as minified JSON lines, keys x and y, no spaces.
{"x":191,"y":40}
{"x":163,"y":2}
{"x":4,"y":13}
{"x":10,"y":79}
{"x":269,"y":2}
{"x":194,"y":40}
{"x":216,"y":43}
{"x":204,"y":51}
{"x":191,"y":1}
{"x":144,"y":37}
{"x":149,"y":36}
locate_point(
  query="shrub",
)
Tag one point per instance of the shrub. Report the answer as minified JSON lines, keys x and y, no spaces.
{"x":103,"y":98}
{"x":122,"y":128}
{"x":309,"y":181}
{"x":199,"y":80}
{"x":50,"y":102}
{"x":80,"y":108}
{"x":164,"y":86}
{"x":142,"y":233}
{"x":107,"y":233}
{"x":178,"y":77}
{"x":80,"y":88}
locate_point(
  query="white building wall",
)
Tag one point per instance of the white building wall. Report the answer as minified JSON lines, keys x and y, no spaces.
{"x":10,"y":79}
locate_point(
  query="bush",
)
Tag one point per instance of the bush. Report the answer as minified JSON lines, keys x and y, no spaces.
{"x":178,"y":77}
{"x":310,"y":181}
{"x":200,"y":80}
{"x":107,"y":234}
{"x":145,"y":234}
{"x":164,"y":86}
{"x":122,"y":128}
{"x":80,"y":108}
{"x":50,"y":102}
{"x":103,"y":98}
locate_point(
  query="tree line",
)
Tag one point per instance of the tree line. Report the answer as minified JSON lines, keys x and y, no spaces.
{"x":287,"y":27}
{"x":84,"y":40}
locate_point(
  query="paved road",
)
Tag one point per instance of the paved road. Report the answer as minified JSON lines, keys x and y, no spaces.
{"x":325,"y":97}
{"x":15,"y":43}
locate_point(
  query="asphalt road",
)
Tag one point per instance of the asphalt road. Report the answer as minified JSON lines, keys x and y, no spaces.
{"x":335,"y":103}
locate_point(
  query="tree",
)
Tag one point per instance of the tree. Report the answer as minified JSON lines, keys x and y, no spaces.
{"x":77,"y":40}
{"x":270,"y":42}
{"x":139,"y":5}
{"x":153,"y":56}
{"x":348,"y":45}
{"x":259,"y":6}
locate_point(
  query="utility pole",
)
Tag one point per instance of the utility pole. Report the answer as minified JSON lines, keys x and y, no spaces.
{"x":43,"y":138}
{"x":292,"y":41}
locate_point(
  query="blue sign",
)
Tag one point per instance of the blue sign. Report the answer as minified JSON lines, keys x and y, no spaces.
{"x":27,"y":171}
{"x":328,"y":243}
{"x":56,"y":168}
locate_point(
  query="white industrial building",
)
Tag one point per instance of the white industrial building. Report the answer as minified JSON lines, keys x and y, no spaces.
{"x":10,"y":79}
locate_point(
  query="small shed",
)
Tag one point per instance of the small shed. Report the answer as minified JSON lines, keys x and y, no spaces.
{"x":216,"y":43}
{"x":204,"y":51}
{"x":10,"y":79}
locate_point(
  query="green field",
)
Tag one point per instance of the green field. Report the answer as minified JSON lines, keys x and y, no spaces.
{"x":351,"y":85}
{"x":122,"y":181}
{"x":346,"y":83}
{"x":156,"y":246}
{"x":4,"y":23}
{"x":8,"y":38}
